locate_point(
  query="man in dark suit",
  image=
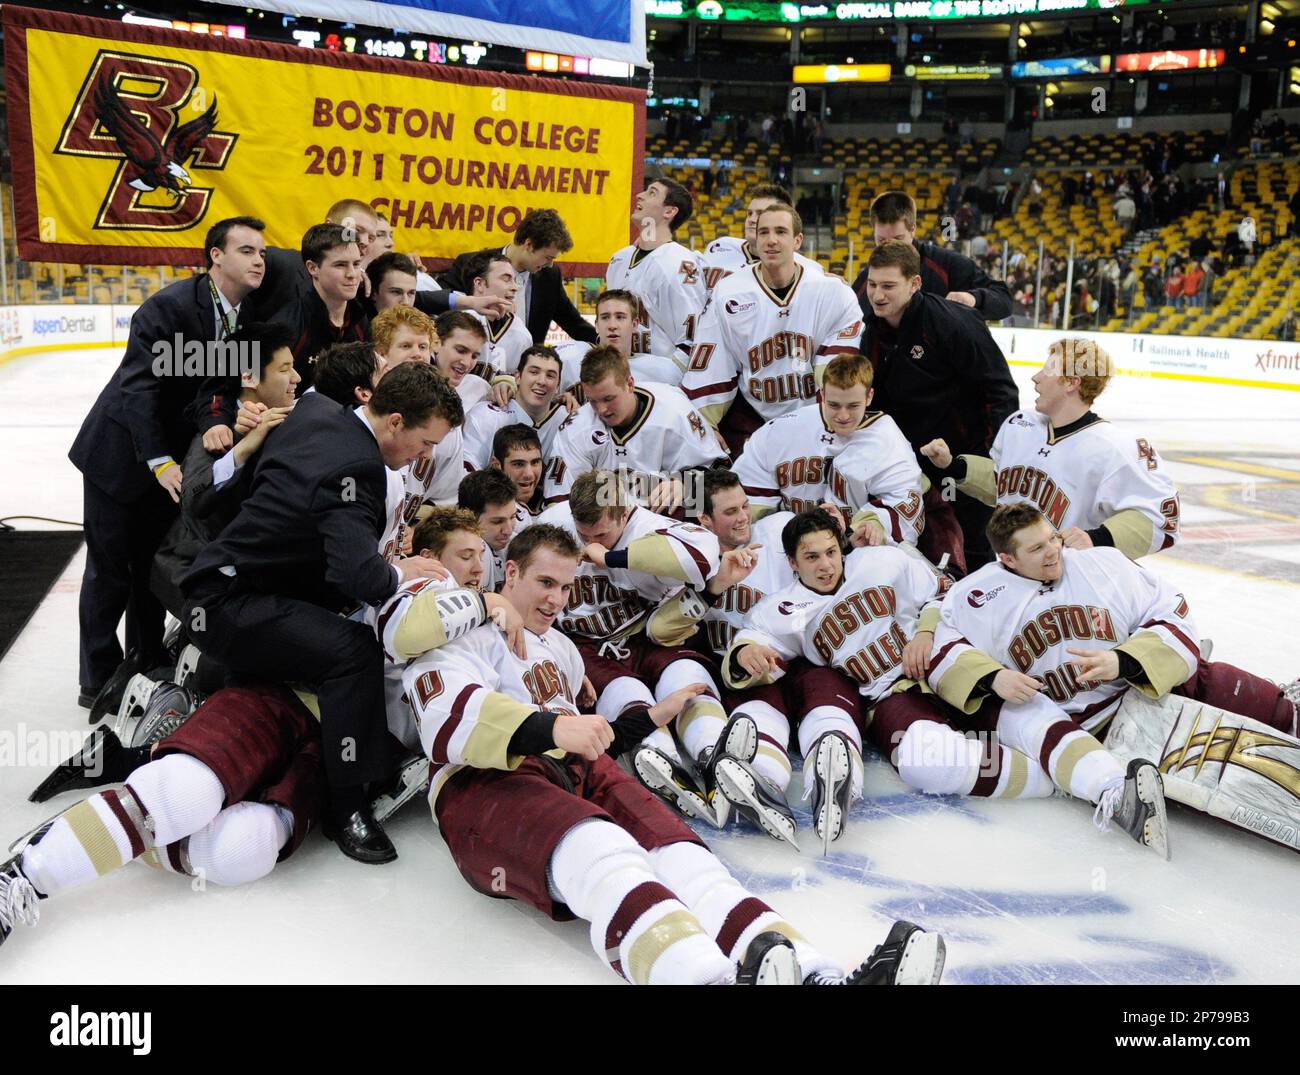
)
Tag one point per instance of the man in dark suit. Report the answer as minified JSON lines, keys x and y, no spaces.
{"x":265,"y":597}
{"x":944,"y":272}
{"x":540,"y":238}
{"x":129,"y":444}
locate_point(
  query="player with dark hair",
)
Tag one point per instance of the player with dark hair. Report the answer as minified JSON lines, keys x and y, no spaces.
{"x":729,"y":254}
{"x":536,"y":404}
{"x":517,"y":451}
{"x":493,"y":500}
{"x":392,"y":279}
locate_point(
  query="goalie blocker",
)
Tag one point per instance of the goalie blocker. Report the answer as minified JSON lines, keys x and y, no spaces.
{"x":1223,"y":764}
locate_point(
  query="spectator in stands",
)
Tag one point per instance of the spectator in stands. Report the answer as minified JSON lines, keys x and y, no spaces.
{"x":1128,"y":287}
{"x":128,"y":447}
{"x":1125,"y":211}
{"x":1088,"y":190}
{"x":1286,"y":331}
{"x":1293,"y":204}
{"x":1192,"y":281}
{"x":966,"y":132}
{"x":1200,"y":247}
{"x":1174,"y":288}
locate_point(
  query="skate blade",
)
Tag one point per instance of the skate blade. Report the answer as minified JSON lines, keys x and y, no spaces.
{"x":742,"y":740}
{"x":73,"y":773}
{"x":779,"y":967}
{"x":922,"y":960}
{"x":414,"y":780}
{"x":663,"y":785}
{"x":833,"y":770}
{"x":1155,"y":829}
{"x":737,"y":786}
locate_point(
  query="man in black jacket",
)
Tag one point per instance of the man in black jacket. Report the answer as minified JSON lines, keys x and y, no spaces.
{"x":937,"y":368}
{"x":944,"y":272}
{"x":128,"y":446}
{"x":540,"y":238}
{"x":265,"y":597}
{"x":210,"y":495}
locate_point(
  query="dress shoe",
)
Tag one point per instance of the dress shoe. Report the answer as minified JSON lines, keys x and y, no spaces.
{"x":361,"y":837}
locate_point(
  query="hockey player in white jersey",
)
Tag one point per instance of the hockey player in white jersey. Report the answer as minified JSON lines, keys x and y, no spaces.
{"x":768,"y":332}
{"x":1043,"y":645}
{"x":633,"y":612}
{"x":537,"y":404}
{"x":491,"y":498}
{"x":650,"y":433}
{"x":857,"y":614}
{"x":505,"y":338}
{"x":532,"y":807}
{"x":665,"y":276}
{"x":728,"y":254}
{"x":404,"y":334}
{"x":749,"y":761}
{"x":517,"y":452}
{"x":794,"y":462}
{"x":1096,"y":484}
{"x":460,"y":338}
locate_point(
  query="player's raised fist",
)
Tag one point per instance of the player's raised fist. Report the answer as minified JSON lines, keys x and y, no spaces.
{"x":1015,"y":686}
{"x":938,"y":453}
{"x":585,"y":734}
{"x":1074,"y":538}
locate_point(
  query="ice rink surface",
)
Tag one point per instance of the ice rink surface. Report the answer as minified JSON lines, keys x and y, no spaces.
{"x":1024,"y":892}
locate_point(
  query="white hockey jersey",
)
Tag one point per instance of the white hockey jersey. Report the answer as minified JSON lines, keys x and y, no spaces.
{"x":437,"y":479}
{"x":727,"y":255}
{"x":661,"y":369}
{"x":773,"y":573}
{"x":507,"y":339}
{"x":472,"y":390}
{"x":611,"y":603}
{"x":669,"y":437}
{"x":390,"y":544}
{"x":768,"y":348}
{"x":877,"y":476}
{"x":482,"y":423}
{"x":470,"y":695}
{"x":669,"y":281}
{"x":1093,"y":475}
{"x":995,"y":619}
{"x":861,"y":628}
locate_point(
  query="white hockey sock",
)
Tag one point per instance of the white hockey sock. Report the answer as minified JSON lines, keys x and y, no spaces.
{"x":701,"y":720}
{"x":731,"y":914}
{"x":1074,"y":758}
{"x":828,"y":718}
{"x":638,"y":926}
{"x":772,"y":760}
{"x":163,"y":800}
{"x":934,"y":758}
{"x":241,"y":844}
{"x":660,"y":739}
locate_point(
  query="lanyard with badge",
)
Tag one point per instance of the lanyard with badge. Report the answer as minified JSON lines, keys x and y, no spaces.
{"x":229,"y":319}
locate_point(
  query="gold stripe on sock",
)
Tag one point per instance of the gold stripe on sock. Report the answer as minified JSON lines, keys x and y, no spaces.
{"x":778,"y":756}
{"x":150,"y":858}
{"x":1017,"y":774}
{"x":697,"y":710}
{"x":655,"y":941}
{"x":786,"y":930}
{"x":95,"y":839}
{"x":1071,"y":756}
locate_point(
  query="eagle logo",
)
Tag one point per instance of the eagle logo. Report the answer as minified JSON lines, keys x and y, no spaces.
{"x":151,"y":163}
{"x":697,"y":423}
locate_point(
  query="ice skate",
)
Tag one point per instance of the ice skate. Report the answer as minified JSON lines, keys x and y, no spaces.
{"x":18,"y":899}
{"x":756,"y":799}
{"x":408,"y":782}
{"x":1138,"y":807}
{"x":909,"y":956}
{"x":672,"y":783}
{"x":769,"y":960}
{"x":831,"y":786}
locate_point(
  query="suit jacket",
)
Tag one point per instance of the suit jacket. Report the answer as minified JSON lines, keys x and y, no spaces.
{"x":311,"y":525}
{"x":944,"y":270}
{"x":549,"y":300}
{"x":140,"y":415}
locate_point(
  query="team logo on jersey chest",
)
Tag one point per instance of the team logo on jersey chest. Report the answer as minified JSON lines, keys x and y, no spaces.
{"x":735,"y":306}
{"x":980,"y":598}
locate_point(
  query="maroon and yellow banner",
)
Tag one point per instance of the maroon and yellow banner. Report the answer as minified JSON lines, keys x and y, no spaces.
{"x":129,"y":142}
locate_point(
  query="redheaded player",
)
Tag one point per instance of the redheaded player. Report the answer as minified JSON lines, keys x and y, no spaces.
{"x":767,"y":332}
{"x":664,"y":275}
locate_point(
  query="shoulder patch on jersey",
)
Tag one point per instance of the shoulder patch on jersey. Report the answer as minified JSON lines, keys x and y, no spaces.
{"x":735,"y":306}
{"x":570,"y":420}
{"x":980,"y":598}
{"x":853,"y":332}
{"x":697,"y":423}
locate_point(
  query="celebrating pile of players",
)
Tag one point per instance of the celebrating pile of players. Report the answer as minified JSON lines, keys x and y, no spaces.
{"x":594,"y":601}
